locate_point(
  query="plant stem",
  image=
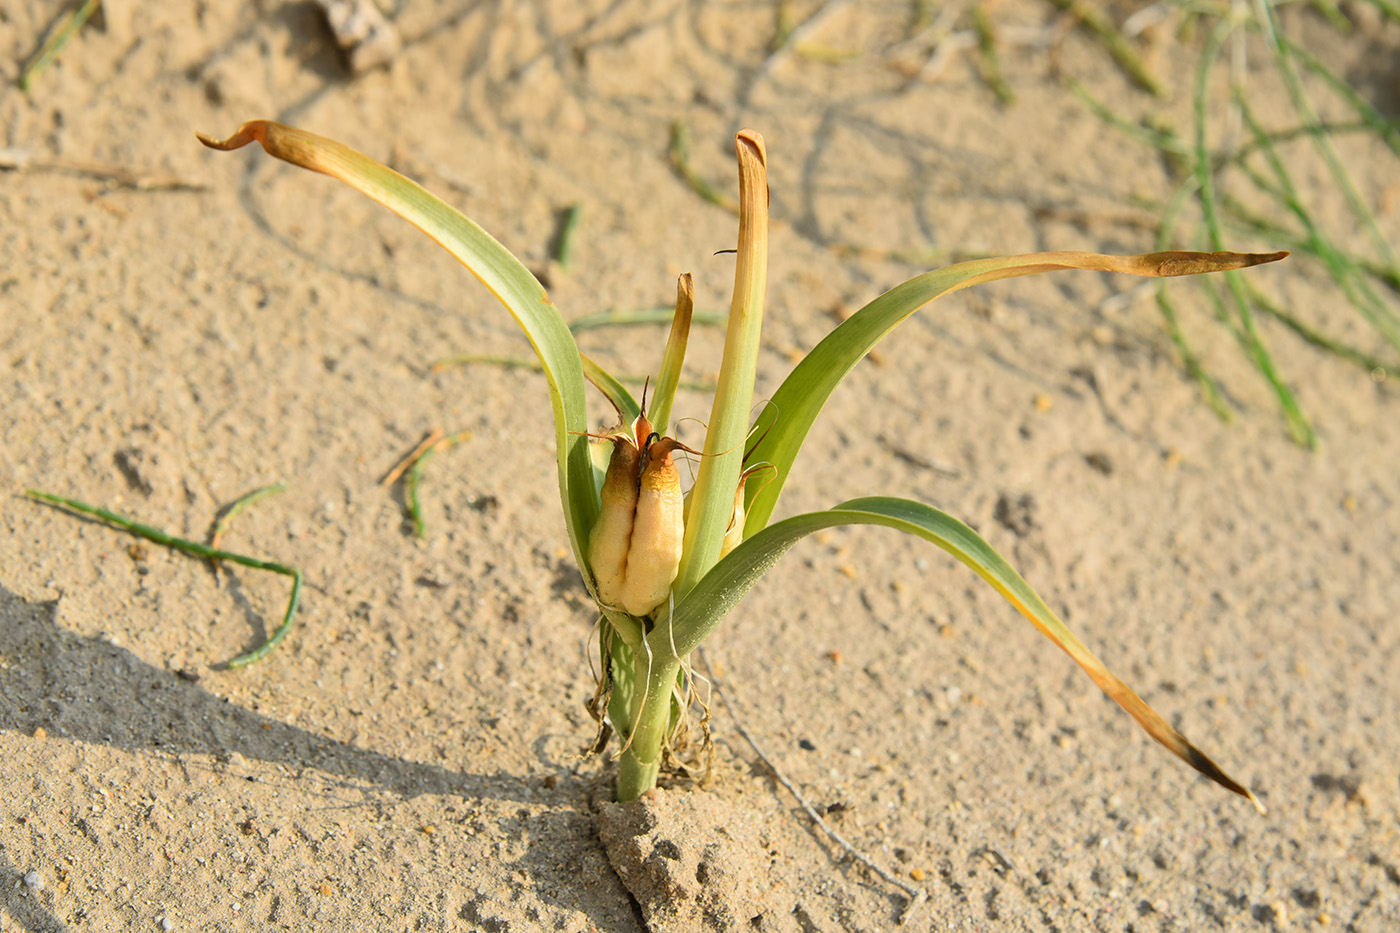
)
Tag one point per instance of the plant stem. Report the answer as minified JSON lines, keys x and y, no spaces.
{"x":654,"y":679}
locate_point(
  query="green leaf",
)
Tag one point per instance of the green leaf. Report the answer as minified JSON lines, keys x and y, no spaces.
{"x":697,"y":615}
{"x":614,"y":391}
{"x":717,"y":480}
{"x":784,"y":423}
{"x":506,"y":277}
{"x":669,"y":376}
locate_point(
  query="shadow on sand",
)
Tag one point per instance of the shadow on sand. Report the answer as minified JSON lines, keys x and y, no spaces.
{"x":90,"y":690}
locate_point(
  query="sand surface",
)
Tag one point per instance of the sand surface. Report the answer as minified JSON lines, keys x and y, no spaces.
{"x":409,"y":759}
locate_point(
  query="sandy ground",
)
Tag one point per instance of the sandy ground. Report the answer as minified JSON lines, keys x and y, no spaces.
{"x":409,"y":758}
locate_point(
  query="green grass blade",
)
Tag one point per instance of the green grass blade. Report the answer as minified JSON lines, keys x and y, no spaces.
{"x":198,"y":550}
{"x":991,"y":62}
{"x":1344,"y":270}
{"x":62,"y":32}
{"x":1118,"y":45}
{"x":1323,"y":143}
{"x":1389,"y":8}
{"x":697,"y":615}
{"x":504,"y":275}
{"x":564,"y":247}
{"x":1165,"y":230}
{"x":1298,"y":426}
{"x":240,"y":505}
{"x":1313,"y":336}
{"x":680,"y":161}
{"x":629,"y":318}
{"x":1156,"y":138}
{"x":1248,"y":221}
{"x":1209,"y":389}
{"x":1373,"y":119}
{"x":798,"y":401}
{"x":413,"y":479}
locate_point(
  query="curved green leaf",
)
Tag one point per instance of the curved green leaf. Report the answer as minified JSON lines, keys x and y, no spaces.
{"x":506,"y":277}
{"x":800,"y":398}
{"x":697,"y":615}
{"x":613,"y":390}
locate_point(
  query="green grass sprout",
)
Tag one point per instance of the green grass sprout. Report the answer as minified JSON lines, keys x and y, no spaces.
{"x":636,"y":316}
{"x":564,"y":245}
{"x":60,"y":34}
{"x":679,"y":154}
{"x":413,"y":479}
{"x":992,"y":71}
{"x":226,"y":515}
{"x":1210,"y":170}
{"x":1118,"y":45}
{"x":201,"y":550}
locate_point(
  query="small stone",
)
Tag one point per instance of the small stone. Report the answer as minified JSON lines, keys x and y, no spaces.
{"x":1099,"y":461}
{"x":325,"y":888}
{"x":40,"y":732}
{"x":1044,"y":403}
{"x":166,"y":925}
{"x":34,"y":881}
{"x":917,"y":874}
{"x":363,"y":33}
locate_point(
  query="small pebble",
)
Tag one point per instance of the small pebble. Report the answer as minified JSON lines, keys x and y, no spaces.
{"x":40,"y":732}
{"x":1044,"y":403}
{"x":166,"y":925}
{"x":33,"y":881}
{"x":916,"y":874}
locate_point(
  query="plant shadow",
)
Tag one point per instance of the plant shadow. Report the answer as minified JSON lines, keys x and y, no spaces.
{"x":89,"y":690}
